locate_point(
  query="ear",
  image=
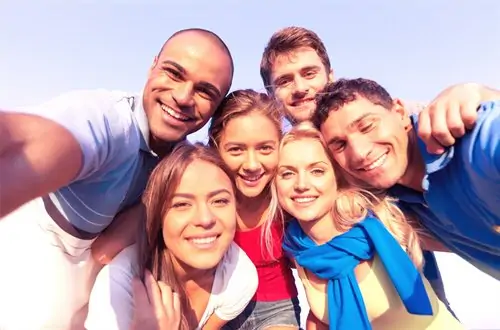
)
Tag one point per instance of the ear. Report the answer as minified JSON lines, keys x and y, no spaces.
{"x":155,"y":62}
{"x":331,"y":76}
{"x":399,"y":109}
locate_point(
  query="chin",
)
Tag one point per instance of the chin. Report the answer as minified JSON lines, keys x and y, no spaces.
{"x":250,"y":192}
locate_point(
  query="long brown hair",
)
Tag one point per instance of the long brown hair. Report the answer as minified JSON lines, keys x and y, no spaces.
{"x":242,"y":103}
{"x":157,"y":198}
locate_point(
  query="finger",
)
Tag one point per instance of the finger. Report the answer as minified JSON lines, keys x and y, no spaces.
{"x":154,"y":294}
{"x":468,"y":112}
{"x":439,"y":127}
{"x":167,"y":298}
{"x":424,"y":132}
{"x":454,"y":121}
{"x":176,"y":303}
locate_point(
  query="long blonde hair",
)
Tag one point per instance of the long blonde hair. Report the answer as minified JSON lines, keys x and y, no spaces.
{"x":353,"y":203}
{"x":242,"y":103}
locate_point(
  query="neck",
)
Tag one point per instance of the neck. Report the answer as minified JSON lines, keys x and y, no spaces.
{"x":321,"y":230}
{"x":161,"y":148}
{"x":186,"y":275}
{"x":415,"y":170}
{"x":251,"y":210}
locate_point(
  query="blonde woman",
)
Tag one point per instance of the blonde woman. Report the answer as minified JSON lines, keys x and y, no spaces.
{"x":358,"y":258}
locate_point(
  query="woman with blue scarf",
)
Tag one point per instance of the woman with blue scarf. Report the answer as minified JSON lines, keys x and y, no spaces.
{"x":357,"y":256}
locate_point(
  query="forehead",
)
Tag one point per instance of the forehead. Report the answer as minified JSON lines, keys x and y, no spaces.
{"x":250,"y":129}
{"x":201,"y":177}
{"x":296,"y":60}
{"x":202,"y":57}
{"x":341,"y":120}
{"x":303,"y":152}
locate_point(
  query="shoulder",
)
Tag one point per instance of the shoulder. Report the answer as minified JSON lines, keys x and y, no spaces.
{"x":237,"y":282}
{"x":235,"y":263}
{"x":111,"y":300}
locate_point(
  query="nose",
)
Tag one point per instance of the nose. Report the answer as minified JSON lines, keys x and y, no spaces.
{"x":301,"y":183}
{"x":359,"y":149}
{"x":183,"y":94}
{"x":251,"y":163}
{"x":301,"y":86}
{"x":205,"y":217}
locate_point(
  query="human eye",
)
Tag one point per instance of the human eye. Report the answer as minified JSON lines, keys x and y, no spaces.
{"x":180,"y":205}
{"x":221,"y":201}
{"x":318,"y":171}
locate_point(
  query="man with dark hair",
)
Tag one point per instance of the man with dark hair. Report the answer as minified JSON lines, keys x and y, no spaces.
{"x":294,"y":68}
{"x":71,"y":164}
{"x":455,"y":196}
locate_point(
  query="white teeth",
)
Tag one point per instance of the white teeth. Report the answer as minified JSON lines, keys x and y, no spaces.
{"x":251,"y":178}
{"x":304,"y":199}
{"x":204,"y":240}
{"x":376,"y":163}
{"x":174,"y":114}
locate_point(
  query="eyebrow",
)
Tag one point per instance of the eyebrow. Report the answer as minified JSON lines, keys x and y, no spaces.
{"x":232,"y":143}
{"x":306,"y":68}
{"x":352,"y":125}
{"x":203,"y":84}
{"x":290,"y":167}
{"x":210,"y":194}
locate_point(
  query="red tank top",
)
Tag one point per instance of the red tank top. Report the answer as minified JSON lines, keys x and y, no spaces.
{"x":276,"y":281}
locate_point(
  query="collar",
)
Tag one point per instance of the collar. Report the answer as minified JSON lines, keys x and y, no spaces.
{"x":136,"y":104}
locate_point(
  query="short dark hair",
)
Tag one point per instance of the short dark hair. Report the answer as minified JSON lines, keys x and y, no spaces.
{"x":207,"y":33}
{"x":344,"y":91}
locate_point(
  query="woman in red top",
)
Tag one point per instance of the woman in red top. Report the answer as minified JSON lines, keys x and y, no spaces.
{"x":246,"y":129}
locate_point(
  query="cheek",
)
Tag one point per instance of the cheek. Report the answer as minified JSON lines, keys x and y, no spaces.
{"x":282,"y":94}
{"x":270,"y":162}
{"x":234,"y":163}
{"x":173,"y":227}
{"x":227,"y":217}
{"x":206,"y":108}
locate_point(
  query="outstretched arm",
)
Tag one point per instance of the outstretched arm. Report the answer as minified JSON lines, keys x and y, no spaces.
{"x":37,"y":156}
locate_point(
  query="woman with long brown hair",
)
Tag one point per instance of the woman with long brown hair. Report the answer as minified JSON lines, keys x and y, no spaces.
{"x":187,"y":246}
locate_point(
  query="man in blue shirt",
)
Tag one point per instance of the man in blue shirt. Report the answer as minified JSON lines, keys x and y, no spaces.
{"x":70,"y":165}
{"x":455,"y":195}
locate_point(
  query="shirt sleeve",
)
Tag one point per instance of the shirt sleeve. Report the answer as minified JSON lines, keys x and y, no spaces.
{"x":96,"y":120}
{"x":111,"y":304}
{"x":240,"y":276}
{"x":485,"y":140}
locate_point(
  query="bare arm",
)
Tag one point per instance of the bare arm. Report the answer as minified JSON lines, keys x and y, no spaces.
{"x":37,"y":156}
{"x":122,"y":232}
{"x":312,"y":323}
{"x":214,"y":323}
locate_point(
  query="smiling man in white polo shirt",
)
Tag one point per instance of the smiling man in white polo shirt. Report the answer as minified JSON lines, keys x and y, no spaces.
{"x":71,"y":164}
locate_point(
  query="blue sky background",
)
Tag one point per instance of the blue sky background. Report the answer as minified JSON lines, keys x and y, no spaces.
{"x":415,"y":49}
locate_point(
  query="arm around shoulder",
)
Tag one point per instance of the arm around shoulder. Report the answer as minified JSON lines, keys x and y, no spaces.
{"x":46,"y":147}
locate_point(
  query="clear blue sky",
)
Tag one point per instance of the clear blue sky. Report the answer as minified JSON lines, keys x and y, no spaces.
{"x":414,"y":48}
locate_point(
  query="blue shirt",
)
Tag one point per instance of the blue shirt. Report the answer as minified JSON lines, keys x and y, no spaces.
{"x":461,"y":200}
{"x":113,"y":133}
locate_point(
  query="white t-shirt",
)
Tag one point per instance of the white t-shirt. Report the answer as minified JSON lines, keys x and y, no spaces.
{"x":111,"y":303}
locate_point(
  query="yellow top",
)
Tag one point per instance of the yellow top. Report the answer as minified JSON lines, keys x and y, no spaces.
{"x":384,"y":307}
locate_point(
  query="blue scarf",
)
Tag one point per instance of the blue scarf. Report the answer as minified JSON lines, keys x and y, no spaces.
{"x":335,"y":261}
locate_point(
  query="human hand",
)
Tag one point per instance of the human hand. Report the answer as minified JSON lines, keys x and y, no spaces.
{"x":449,"y":115}
{"x":156,"y":306}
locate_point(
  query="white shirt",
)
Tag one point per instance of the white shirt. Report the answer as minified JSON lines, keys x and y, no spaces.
{"x":111,"y":303}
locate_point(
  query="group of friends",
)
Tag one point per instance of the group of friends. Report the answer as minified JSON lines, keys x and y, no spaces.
{"x":111,"y":219}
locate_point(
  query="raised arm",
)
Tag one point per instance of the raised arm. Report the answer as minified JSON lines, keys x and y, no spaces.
{"x":69,"y":138}
{"x":37,"y":156}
